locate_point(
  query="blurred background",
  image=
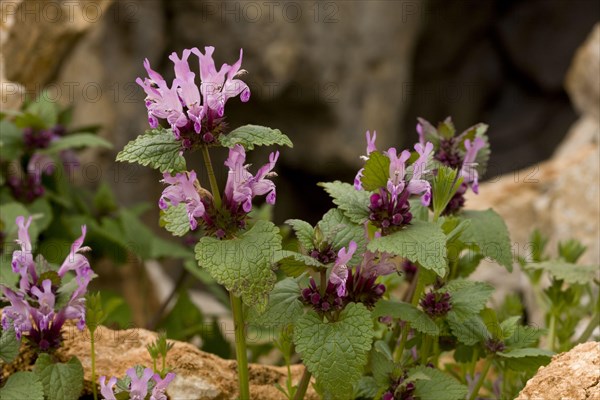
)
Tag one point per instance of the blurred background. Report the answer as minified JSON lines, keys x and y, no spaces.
{"x":322,"y":72}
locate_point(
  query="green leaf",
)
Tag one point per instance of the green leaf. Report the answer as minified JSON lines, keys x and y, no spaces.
{"x":156,"y":148}
{"x":468,"y":298}
{"x":490,"y":234}
{"x":524,"y":336}
{"x":9,"y":345}
{"x":529,"y":359}
{"x":376,"y":172}
{"x":406,"y":312}
{"x":570,"y":273}
{"x":254,"y":135}
{"x":340,"y":231}
{"x":184,"y":320}
{"x":469,"y":332}
{"x":77,"y":141}
{"x":354,"y":203}
{"x":10,"y":212}
{"x":420,"y":242}
{"x":11,"y":141}
{"x":439,"y":386}
{"x":60,"y":381}
{"x":44,"y":108}
{"x":381,"y":363}
{"x":104,"y":199}
{"x":139,"y":236}
{"x":304,"y":232}
{"x":444,"y":185}
{"x":41,"y":211}
{"x":243,"y":265}
{"x":176,"y":220}
{"x":335,"y":352}
{"x":22,"y":385}
{"x":284,"y":306}
{"x":295,"y":264}
{"x":446,"y":128}
{"x":509,"y":326}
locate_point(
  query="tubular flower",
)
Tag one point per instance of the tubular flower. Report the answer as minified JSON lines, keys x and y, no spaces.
{"x":191,"y":107}
{"x":370,"y":148}
{"x":33,"y":307}
{"x":138,"y":386}
{"x":339,"y":273}
{"x":242,"y":186}
{"x":183,"y":188}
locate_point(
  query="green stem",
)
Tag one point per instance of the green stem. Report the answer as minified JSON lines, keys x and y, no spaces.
{"x":302,"y":385}
{"x":419,"y":289}
{"x":211,"y":177}
{"x":400,"y":349}
{"x":486,"y":369}
{"x":240,"y":346}
{"x":552,"y":331}
{"x":93,"y":344}
{"x":425,"y":349}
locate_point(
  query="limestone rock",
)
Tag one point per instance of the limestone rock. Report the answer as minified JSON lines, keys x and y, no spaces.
{"x":574,"y":375}
{"x":200,"y":375}
{"x":583,"y":79}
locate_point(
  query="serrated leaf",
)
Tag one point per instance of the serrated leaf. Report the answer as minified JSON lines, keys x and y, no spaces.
{"x":283,"y":308}
{"x":335,"y":352}
{"x":468,"y":298}
{"x":524,"y":336}
{"x":366,"y":388}
{"x":406,"y":312}
{"x":176,"y":220}
{"x":469,"y":332}
{"x":490,"y":234}
{"x":76,"y":141}
{"x":22,"y":385}
{"x":570,"y":273}
{"x":381,"y":363}
{"x":376,"y":172}
{"x":509,"y":326}
{"x":255,"y":135}
{"x":420,"y":242}
{"x":60,"y":381}
{"x":340,"y":231}
{"x":439,"y":386}
{"x":9,"y":345}
{"x":529,"y":359}
{"x":295,"y":264}
{"x":304,"y":232}
{"x":354,"y":203}
{"x":157,"y":148}
{"x":243,"y":265}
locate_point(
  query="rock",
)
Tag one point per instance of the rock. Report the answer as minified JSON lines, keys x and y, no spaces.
{"x":583,"y":79}
{"x":200,"y":375}
{"x":574,"y":375}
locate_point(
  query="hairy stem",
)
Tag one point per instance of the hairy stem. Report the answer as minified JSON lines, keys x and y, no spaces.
{"x":93,"y":345}
{"x":479,"y":384}
{"x":240,"y":346}
{"x":426,"y":348}
{"x":211,"y":177}
{"x":302,"y":385}
{"x":552,"y":331}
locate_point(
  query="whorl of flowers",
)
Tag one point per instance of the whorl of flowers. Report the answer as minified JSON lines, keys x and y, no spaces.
{"x":139,"y":386}
{"x":36,"y":310}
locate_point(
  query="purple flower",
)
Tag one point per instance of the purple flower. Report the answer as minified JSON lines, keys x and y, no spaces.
{"x":106,"y":390}
{"x":32,"y":309}
{"x":138,"y":389}
{"x":397,"y":181}
{"x":242,"y":186}
{"x":377,"y":264}
{"x":468,"y":171}
{"x":183,"y":189}
{"x":189,"y":106}
{"x":158,"y":391}
{"x":370,"y":148}
{"x":339,"y":273}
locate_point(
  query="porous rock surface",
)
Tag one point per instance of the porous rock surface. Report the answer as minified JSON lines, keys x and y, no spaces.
{"x":574,"y":375}
{"x":199,"y":375}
